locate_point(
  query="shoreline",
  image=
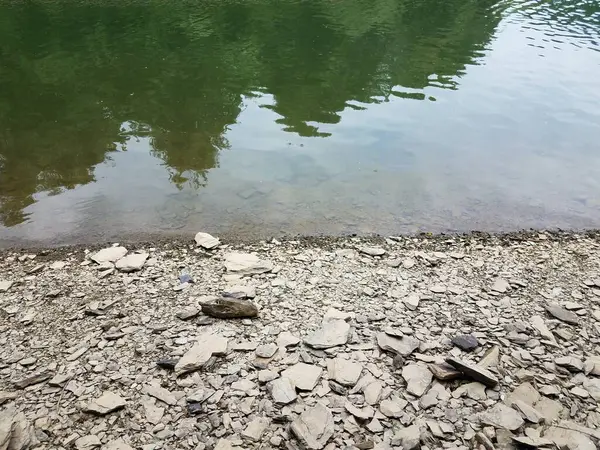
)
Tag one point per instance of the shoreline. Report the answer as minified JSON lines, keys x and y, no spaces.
{"x":355,"y":331}
{"x":138,"y":241}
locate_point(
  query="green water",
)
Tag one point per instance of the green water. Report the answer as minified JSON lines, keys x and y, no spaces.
{"x":287,"y":116}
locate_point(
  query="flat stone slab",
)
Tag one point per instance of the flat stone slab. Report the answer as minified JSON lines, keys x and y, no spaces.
{"x":473,"y":371}
{"x":246,"y":264}
{"x":206,"y":241}
{"x":206,"y":346}
{"x":314,"y":427}
{"x":132,"y":262}
{"x":344,"y":371}
{"x":402,"y":346}
{"x":106,"y":403}
{"x":557,"y":311}
{"x":502,"y":416}
{"x":331,"y":334}
{"x":110,"y":254}
{"x":303,"y":376}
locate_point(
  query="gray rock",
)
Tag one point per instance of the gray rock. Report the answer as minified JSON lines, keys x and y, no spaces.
{"x":569,"y":439}
{"x":206,"y":241}
{"x":412,"y":301}
{"x":264,"y":376}
{"x":287,"y":339}
{"x":331,"y":334}
{"x":246,"y":264}
{"x":393,"y":407}
{"x":561,"y":313}
{"x":106,"y":403}
{"x":87,"y":442}
{"x":16,"y":432}
{"x":240,"y":291}
{"x":160,"y":393}
{"x":528,"y":412}
{"x":466,"y":342}
{"x":5,"y":285}
{"x":229,"y":308}
{"x":314,"y":427}
{"x":344,"y":371}
{"x":132,"y":262}
{"x":360,"y":413}
{"x":408,"y":438}
{"x":418,"y":378}
{"x":282,"y":390}
{"x":117,"y":444}
{"x":593,"y":388}
{"x":500,"y":285}
{"x":303,"y":376}
{"x":111,"y":255}
{"x":501,"y":416}
{"x":266,"y":350}
{"x":188,"y":313}
{"x":571,"y":363}
{"x":256,"y":428}
{"x":403,"y":346}
{"x":206,"y":346}
{"x":539,"y":324}
{"x":7,"y":396}
{"x":34,"y":378}
{"x":473,"y":371}
{"x":372,"y":251}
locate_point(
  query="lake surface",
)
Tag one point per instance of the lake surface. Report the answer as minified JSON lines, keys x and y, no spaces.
{"x":274,"y":117}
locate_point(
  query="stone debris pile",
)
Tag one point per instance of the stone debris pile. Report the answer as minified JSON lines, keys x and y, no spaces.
{"x":403,"y":343}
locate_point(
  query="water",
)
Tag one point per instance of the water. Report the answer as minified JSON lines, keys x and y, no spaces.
{"x":270,"y":117}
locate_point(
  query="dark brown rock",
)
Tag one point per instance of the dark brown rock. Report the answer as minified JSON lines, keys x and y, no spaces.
{"x":444,"y":372}
{"x":473,"y":371}
{"x":230,"y":308}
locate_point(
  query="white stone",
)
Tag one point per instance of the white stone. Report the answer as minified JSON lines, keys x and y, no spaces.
{"x":417,"y":377}
{"x":246,"y":264}
{"x":344,"y":371}
{"x":132,"y":262}
{"x":206,"y":346}
{"x":106,"y":403}
{"x":402,"y":346}
{"x":314,"y":427}
{"x":303,"y":376}
{"x":501,"y":416}
{"x":111,"y":254}
{"x":160,"y":393}
{"x":393,"y":407}
{"x":287,"y":339}
{"x":409,"y":438}
{"x":361,"y":413}
{"x":117,"y":444}
{"x":266,"y":350}
{"x":206,"y":241}
{"x":540,"y":325}
{"x":412,"y":301}
{"x":256,"y":429}
{"x":283,"y":391}
{"x":500,"y":285}
{"x":331,"y":334}
{"x":5,"y":285}
{"x":87,"y":442}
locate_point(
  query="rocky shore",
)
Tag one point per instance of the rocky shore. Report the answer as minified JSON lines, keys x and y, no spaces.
{"x":460,"y":342}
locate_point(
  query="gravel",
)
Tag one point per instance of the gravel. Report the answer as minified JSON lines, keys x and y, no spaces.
{"x":456,"y":342}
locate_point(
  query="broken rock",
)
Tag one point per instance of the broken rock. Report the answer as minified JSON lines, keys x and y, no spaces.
{"x":106,"y":403}
{"x":246,"y":264}
{"x":314,"y":427}
{"x":417,"y":377}
{"x":331,"y":334}
{"x":229,"y":308}
{"x":206,"y":346}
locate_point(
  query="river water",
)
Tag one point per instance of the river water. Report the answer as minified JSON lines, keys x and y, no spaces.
{"x":280,"y":117}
